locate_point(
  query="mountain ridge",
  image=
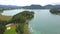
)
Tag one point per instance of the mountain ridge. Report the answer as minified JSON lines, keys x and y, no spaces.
{"x":31,"y":6}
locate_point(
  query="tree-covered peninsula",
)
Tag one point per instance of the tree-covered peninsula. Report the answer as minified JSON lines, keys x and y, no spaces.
{"x":17,"y":24}
{"x":22,"y":20}
{"x":55,"y":11}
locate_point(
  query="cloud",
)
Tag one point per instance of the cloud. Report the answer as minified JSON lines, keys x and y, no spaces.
{"x":28,"y":2}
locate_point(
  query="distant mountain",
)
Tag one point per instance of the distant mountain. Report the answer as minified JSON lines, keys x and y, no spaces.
{"x":48,"y":6}
{"x":41,"y":7}
{"x":9,"y":6}
{"x":33,"y":7}
{"x":57,"y":6}
{"x":51,"y":6}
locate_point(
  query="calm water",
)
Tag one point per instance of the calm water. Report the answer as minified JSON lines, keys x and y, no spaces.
{"x":43,"y":22}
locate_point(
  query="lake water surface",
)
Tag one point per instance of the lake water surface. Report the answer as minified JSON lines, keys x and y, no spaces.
{"x":43,"y":22}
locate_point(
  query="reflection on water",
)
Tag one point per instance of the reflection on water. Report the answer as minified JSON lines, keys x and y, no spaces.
{"x":43,"y":22}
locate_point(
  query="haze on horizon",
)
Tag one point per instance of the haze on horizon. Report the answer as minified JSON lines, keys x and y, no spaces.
{"x":28,"y":2}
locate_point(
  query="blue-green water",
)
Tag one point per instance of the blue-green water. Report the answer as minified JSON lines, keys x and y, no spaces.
{"x":43,"y":22}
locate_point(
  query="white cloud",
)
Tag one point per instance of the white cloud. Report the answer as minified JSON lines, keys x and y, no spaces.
{"x":28,"y":2}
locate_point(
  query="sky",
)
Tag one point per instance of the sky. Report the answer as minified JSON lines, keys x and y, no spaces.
{"x":28,"y":2}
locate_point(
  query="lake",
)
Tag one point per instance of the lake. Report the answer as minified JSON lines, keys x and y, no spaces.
{"x":43,"y":22}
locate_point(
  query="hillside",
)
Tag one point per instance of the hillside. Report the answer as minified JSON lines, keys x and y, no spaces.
{"x":5,"y":18}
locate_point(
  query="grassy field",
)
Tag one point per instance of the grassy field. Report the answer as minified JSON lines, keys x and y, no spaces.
{"x":5,"y":18}
{"x":13,"y":28}
{"x":11,"y":31}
